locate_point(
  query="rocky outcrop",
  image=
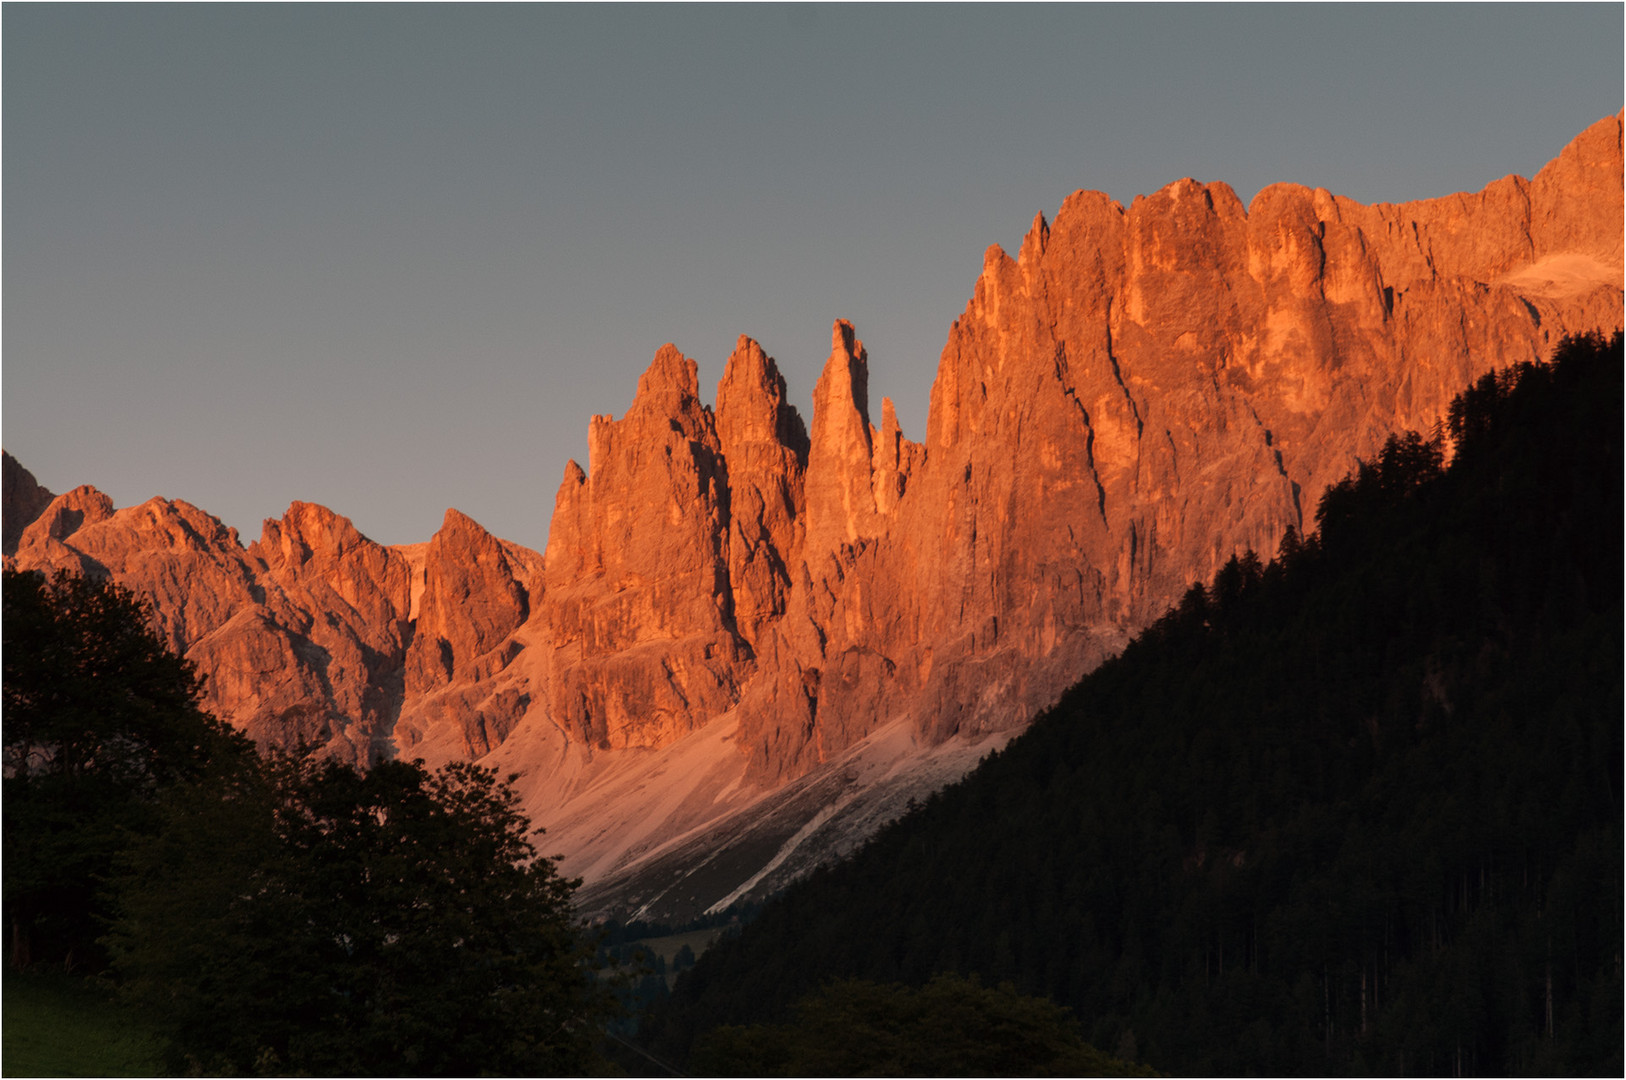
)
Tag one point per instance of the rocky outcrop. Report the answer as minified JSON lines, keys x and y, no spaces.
{"x":299,"y":637}
{"x":24,"y":500}
{"x":339,"y":602}
{"x":470,"y":605}
{"x":764,"y":444}
{"x":825,"y":675}
{"x":1136,"y":395}
{"x":639,"y":603}
{"x":185,"y":561}
{"x":841,"y":507}
{"x":472,"y":592}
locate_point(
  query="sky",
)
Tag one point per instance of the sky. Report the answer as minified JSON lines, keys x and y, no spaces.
{"x":392,"y":258}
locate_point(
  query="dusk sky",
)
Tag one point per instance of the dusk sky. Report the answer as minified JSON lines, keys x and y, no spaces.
{"x":392,"y":258}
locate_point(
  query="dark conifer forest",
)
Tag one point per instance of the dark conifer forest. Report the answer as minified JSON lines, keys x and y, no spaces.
{"x":1354,"y":811}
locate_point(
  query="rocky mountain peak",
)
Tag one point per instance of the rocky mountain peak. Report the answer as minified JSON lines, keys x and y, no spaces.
{"x":667,"y":405}
{"x":764,"y":446}
{"x":669,"y":388}
{"x":1033,"y":244}
{"x":456,"y":526}
{"x":306,"y":531}
{"x":1575,"y":200}
{"x":68,"y":513}
{"x":471,"y":602}
{"x":1141,"y":393}
{"x":894,"y":459}
{"x":752,"y":409}
{"x":637,"y":564}
{"x":840,"y":490}
{"x":24,"y":500}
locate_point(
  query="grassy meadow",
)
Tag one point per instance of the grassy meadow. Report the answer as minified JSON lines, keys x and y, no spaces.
{"x":55,"y":1025}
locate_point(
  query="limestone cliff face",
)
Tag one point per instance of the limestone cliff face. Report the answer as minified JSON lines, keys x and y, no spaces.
{"x":190,"y":565}
{"x":824,"y":678}
{"x":639,"y":602}
{"x":24,"y":500}
{"x":299,"y":637}
{"x":339,"y":602}
{"x":470,"y":603}
{"x":1138,"y":394}
{"x":841,"y":507}
{"x":472,"y":592}
{"x":764,"y":444}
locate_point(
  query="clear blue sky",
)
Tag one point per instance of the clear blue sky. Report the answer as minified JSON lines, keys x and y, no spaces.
{"x":391,"y":258}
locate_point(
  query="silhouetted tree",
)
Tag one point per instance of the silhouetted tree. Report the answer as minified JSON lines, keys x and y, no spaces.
{"x":318,"y":920}
{"x":100,"y":718}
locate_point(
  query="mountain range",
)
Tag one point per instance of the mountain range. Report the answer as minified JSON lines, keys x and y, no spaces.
{"x":752,"y":639}
{"x":1354,"y":812}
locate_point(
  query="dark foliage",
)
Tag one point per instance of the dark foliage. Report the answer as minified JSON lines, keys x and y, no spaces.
{"x":950,"y":1027}
{"x":615,"y":932}
{"x":100,"y":719}
{"x":289,"y":915}
{"x":1357,"y":811}
{"x":322,"y":921}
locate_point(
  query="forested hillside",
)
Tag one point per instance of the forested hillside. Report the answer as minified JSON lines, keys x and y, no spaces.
{"x":1358,"y":810}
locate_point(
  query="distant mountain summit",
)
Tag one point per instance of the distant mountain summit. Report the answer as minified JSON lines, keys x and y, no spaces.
{"x":751,"y":638}
{"x":25,"y":500}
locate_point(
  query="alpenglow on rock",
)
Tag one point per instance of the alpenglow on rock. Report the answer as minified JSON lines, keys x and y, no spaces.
{"x":751,"y":637}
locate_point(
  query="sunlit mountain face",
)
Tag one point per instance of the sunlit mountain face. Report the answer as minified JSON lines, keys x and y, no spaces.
{"x":754,"y":637}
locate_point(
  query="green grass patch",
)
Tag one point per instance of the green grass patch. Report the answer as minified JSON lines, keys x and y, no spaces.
{"x":55,"y":1025}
